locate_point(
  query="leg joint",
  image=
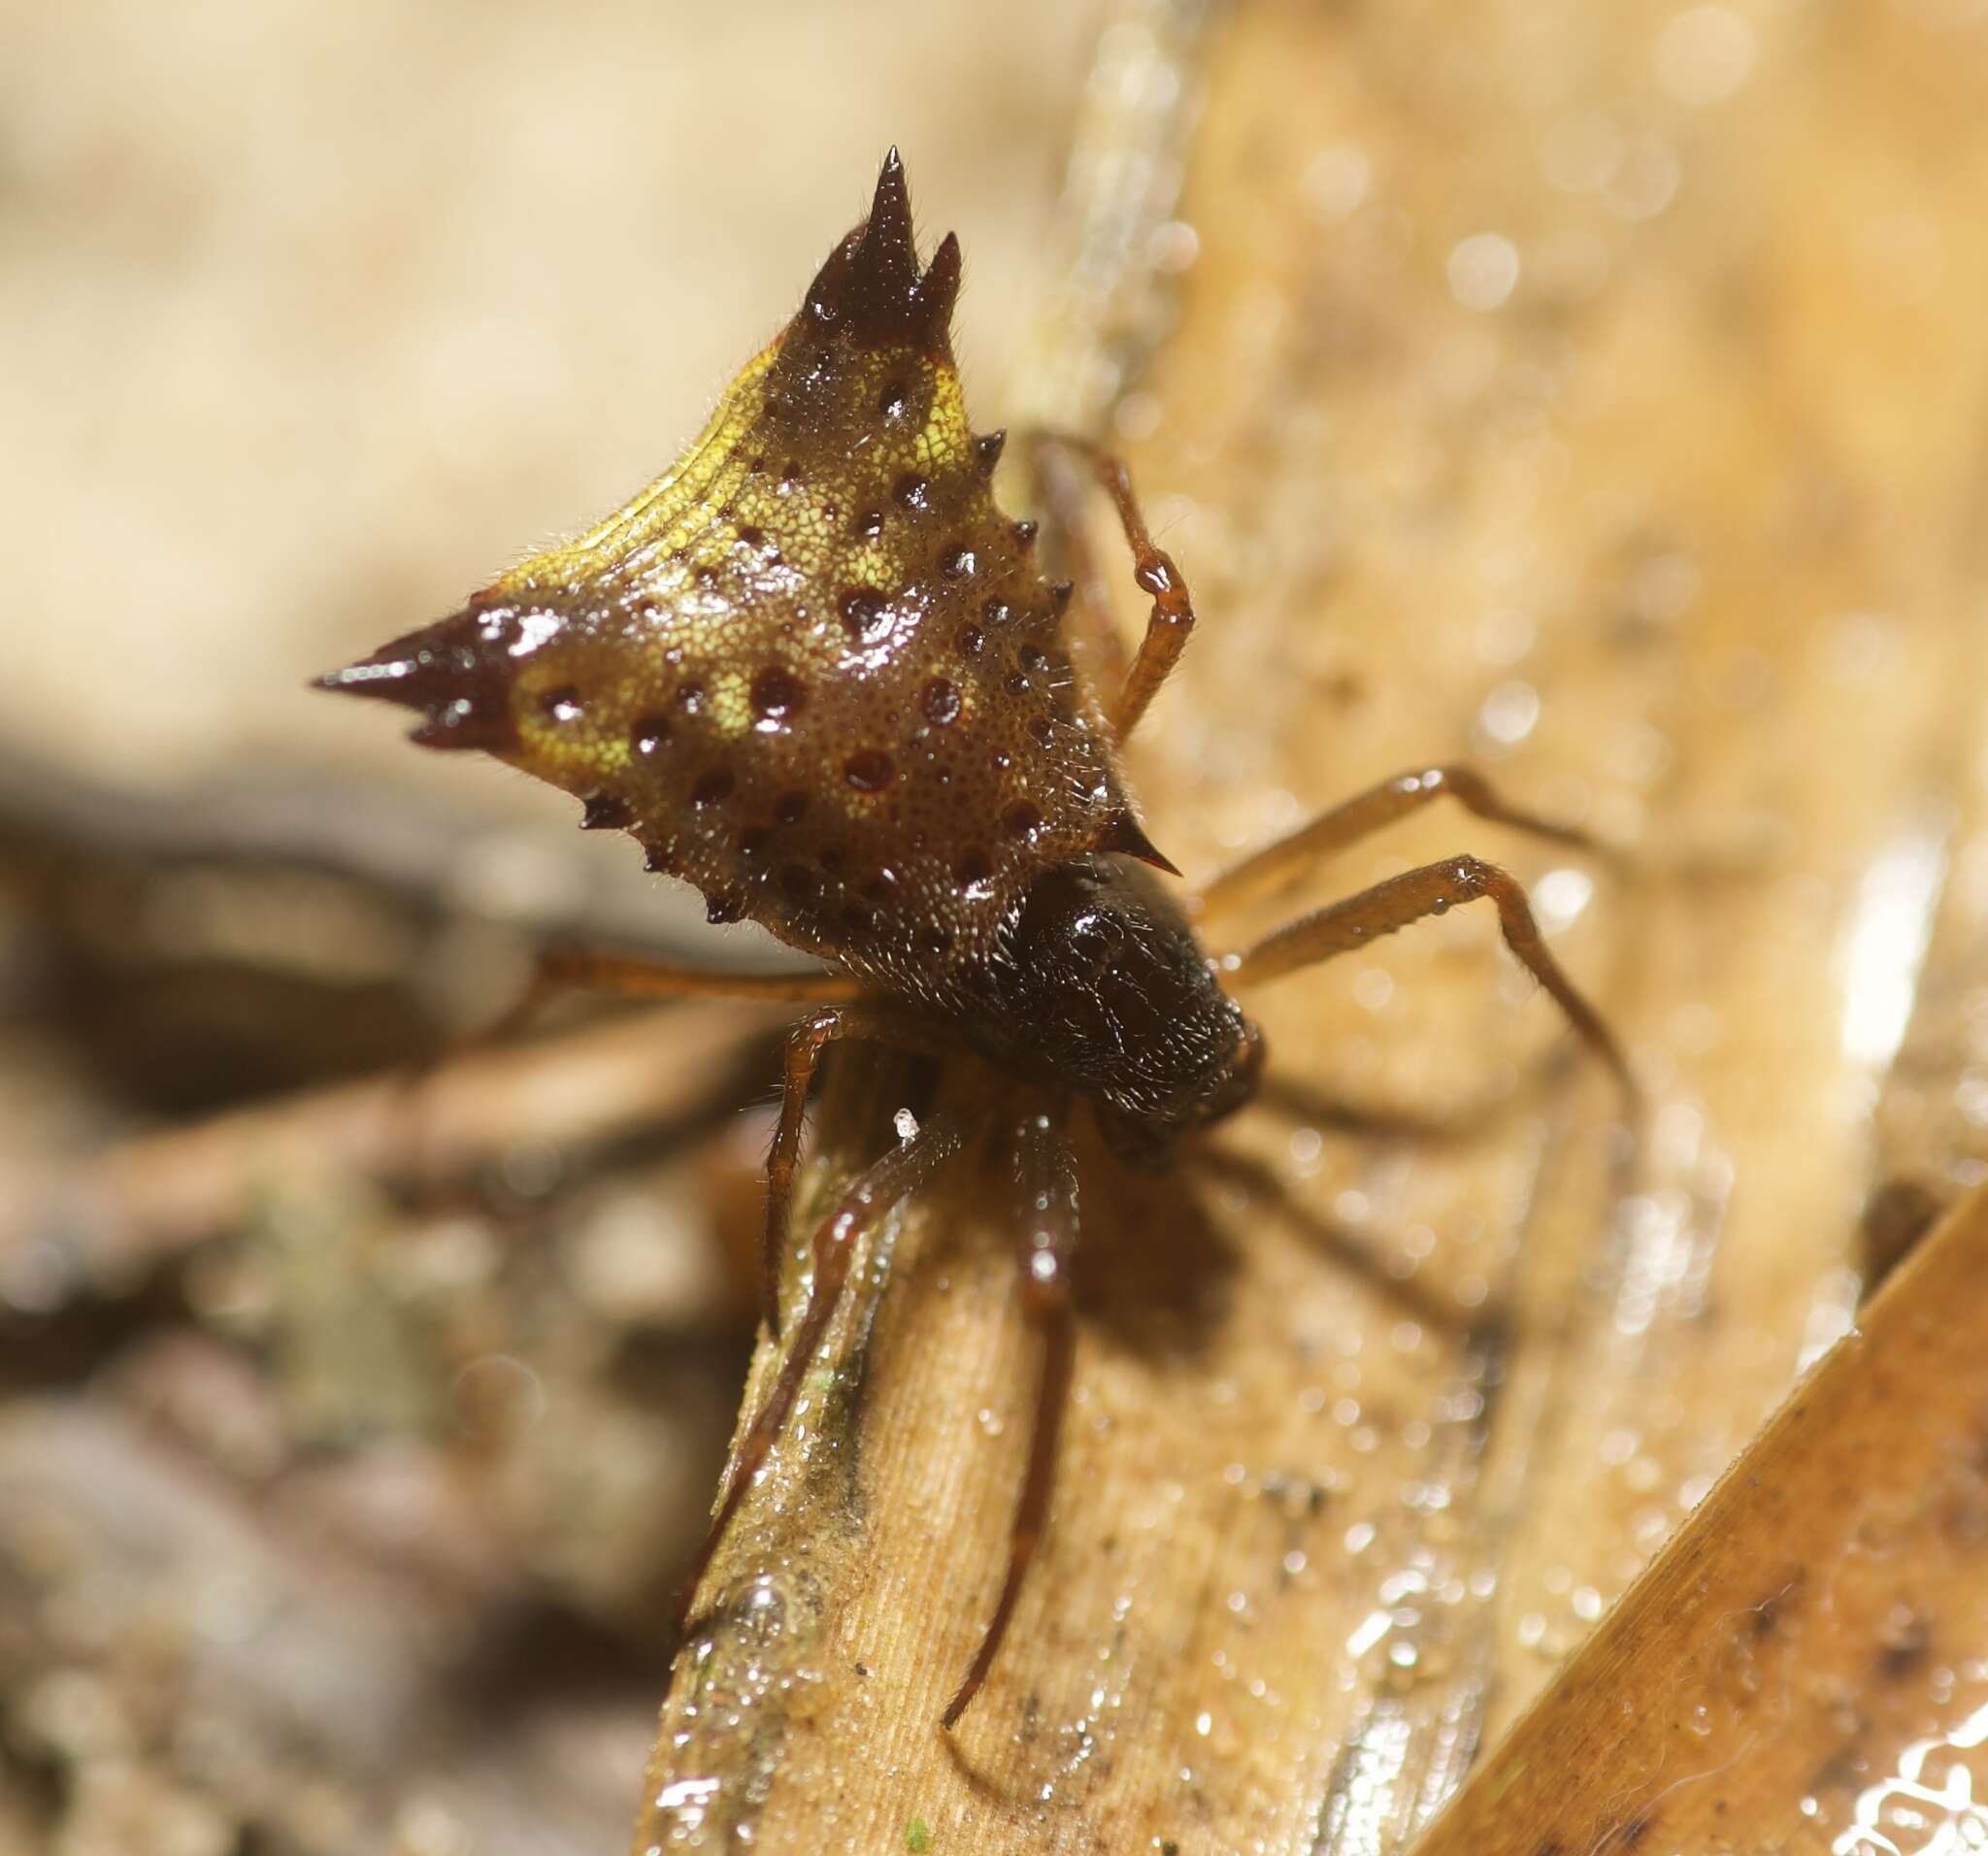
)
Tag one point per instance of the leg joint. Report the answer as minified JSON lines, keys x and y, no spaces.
{"x":807,"y":1035}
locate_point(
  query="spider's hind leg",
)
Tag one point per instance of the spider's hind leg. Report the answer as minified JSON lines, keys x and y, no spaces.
{"x":1058,"y":484}
{"x":806,"y":1042}
{"x":1046,"y":1182}
{"x":874,"y":1194}
{"x":565,"y":967}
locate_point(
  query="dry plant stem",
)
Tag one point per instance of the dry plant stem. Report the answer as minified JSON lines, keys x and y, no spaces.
{"x":1846,"y":1554}
{"x":564,"y":970}
{"x":561,"y":969}
{"x":876,"y":1192}
{"x":1046,"y":1224}
{"x":1413,"y":896}
{"x":1319,"y":527}
{"x":151,"y":1197}
{"x":1277,"y":865}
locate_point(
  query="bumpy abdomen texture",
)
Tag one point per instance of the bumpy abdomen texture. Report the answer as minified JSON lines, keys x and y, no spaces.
{"x":827,"y":686}
{"x":812,"y":668}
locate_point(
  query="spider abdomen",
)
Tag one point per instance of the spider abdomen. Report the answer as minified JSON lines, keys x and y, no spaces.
{"x":813,"y":669}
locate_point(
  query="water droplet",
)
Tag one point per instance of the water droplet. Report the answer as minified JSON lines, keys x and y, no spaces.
{"x":1483,"y":270}
{"x":1338,"y":181}
{"x":1508,"y":714}
{"x":1705,"y":54}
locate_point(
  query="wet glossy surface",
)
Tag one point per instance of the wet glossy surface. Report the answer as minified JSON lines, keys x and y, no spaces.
{"x":1526,"y":400}
{"x":1806,"y":1666}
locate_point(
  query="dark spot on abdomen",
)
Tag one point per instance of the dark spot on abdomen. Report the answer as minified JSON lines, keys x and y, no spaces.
{"x":712,"y":788}
{"x":869,"y":770}
{"x":865,"y":612}
{"x":776,"y":695}
{"x":1903,"y":1639}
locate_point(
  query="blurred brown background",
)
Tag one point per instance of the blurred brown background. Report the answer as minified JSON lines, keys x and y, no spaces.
{"x":313,"y":318}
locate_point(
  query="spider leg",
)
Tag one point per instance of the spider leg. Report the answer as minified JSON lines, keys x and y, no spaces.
{"x":1172,"y":619}
{"x":875,"y":1193}
{"x":1046,"y":1177}
{"x":1433,"y":890}
{"x":563,"y":969}
{"x":1367,"y":812}
{"x":806,"y":1042}
{"x":1059,"y":492}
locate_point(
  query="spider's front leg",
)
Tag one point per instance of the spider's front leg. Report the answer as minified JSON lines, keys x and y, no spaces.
{"x":1433,"y":890}
{"x":1171,"y":622}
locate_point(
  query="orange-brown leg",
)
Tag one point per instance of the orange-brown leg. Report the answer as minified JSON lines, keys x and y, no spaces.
{"x":1059,"y":487}
{"x":875,"y":1191}
{"x":1172,"y":621}
{"x":1046,"y":1178}
{"x":806,"y":1042}
{"x":1277,"y":864}
{"x":1434,"y":890}
{"x":563,"y":969}
{"x":567,"y":969}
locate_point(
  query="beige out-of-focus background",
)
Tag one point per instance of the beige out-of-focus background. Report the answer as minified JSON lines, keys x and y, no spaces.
{"x":311,"y":318}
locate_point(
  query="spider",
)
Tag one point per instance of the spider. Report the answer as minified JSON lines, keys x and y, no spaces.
{"x":816,"y":672}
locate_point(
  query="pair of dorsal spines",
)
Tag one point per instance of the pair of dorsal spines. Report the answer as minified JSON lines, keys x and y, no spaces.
{"x":871,"y":289}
